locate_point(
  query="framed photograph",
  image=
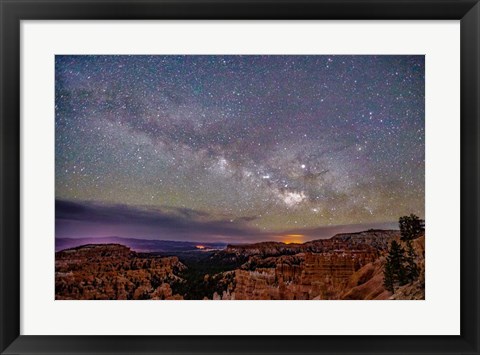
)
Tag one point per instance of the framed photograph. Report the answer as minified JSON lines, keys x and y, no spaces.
{"x":239,"y":177}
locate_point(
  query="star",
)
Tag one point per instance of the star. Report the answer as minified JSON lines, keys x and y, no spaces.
{"x":238,"y":146}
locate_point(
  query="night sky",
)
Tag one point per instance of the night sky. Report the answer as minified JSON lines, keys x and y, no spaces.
{"x":237,"y":148}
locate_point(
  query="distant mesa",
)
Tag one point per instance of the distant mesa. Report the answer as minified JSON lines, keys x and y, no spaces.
{"x":138,"y":245}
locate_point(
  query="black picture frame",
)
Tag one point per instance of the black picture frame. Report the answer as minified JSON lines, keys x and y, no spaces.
{"x":13,"y":11}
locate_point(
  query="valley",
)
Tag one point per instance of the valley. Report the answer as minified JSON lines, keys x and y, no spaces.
{"x":346,"y":266}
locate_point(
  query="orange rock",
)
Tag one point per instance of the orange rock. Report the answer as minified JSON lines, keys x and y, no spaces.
{"x":113,"y":271}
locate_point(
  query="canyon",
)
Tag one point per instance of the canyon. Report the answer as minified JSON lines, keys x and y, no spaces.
{"x":113,"y":271}
{"x":346,"y":266}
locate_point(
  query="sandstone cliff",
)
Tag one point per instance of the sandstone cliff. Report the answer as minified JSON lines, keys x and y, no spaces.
{"x":303,"y":276}
{"x":347,"y":266}
{"x":367,"y":282}
{"x":113,"y":271}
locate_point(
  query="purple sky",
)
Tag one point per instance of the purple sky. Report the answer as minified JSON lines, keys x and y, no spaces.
{"x":237,"y":148}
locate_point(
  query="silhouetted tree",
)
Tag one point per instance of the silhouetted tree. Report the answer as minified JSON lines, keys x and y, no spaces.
{"x":412,"y":269}
{"x":388,"y":277}
{"x":394,"y":269}
{"x":410,"y":227}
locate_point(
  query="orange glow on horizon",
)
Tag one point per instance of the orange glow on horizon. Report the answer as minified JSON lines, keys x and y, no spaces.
{"x":293,"y":238}
{"x":200,"y":246}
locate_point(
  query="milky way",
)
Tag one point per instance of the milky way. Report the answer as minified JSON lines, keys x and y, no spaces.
{"x":237,"y":147}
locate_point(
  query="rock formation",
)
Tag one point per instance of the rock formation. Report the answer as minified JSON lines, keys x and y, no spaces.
{"x":113,"y":271}
{"x":320,"y":276}
{"x":346,"y":266}
{"x":367,"y":282}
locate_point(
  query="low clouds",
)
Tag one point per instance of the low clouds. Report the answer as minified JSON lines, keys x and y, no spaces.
{"x":88,"y":219}
{"x":161,"y":222}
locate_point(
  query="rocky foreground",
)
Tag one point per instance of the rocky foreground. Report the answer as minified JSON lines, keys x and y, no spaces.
{"x":113,"y":271}
{"x":346,"y":266}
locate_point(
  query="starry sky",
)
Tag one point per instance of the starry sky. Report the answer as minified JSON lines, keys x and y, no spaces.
{"x":237,"y":148}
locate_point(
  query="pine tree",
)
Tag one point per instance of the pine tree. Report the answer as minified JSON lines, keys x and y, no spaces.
{"x":412,"y":269}
{"x":400,"y":267}
{"x":396,"y":258}
{"x":388,"y":277}
{"x":410,"y":227}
